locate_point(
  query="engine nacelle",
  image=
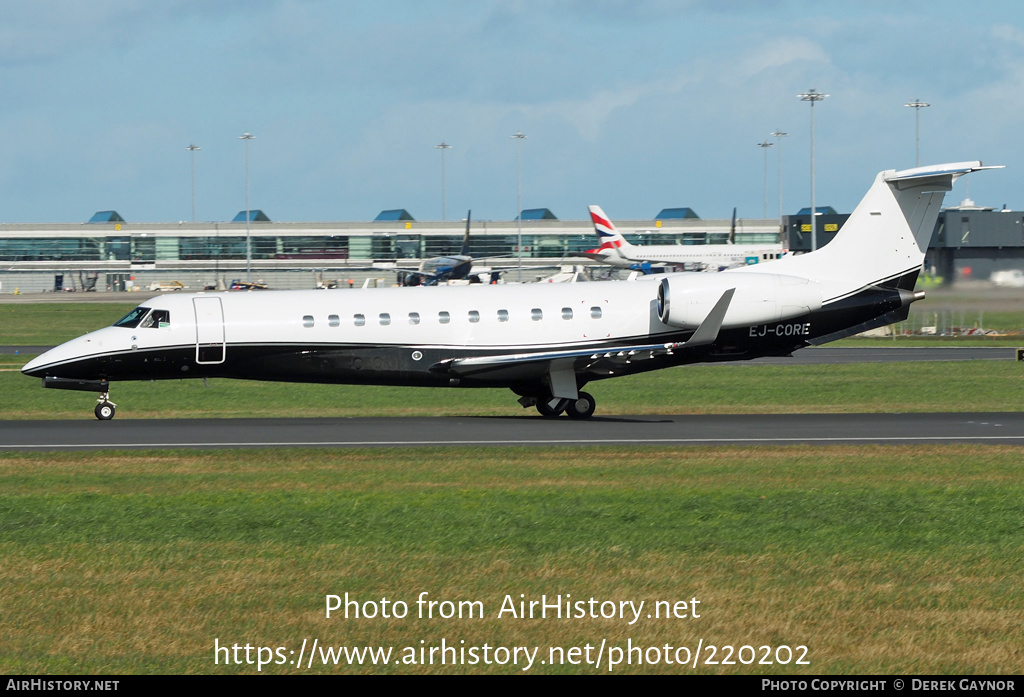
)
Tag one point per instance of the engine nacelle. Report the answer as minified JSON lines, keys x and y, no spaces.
{"x":684,"y":300}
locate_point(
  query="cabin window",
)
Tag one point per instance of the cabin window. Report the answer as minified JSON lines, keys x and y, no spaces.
{"x":132,"y":319}
{"x":360,"y":320}
{"x":414,"y":318}
{"x":503,"y":315}
{"x":595,"y":312}
{"x":474,"y":316}
{"x":536,"y":314}
{"x":385,"y":319}
{"x":443,"y":317}
{"x":333,"y":320}
{"x":307,"y":320}
{"x":566,"y":313}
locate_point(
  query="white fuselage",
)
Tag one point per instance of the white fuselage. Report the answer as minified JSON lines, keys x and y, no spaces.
{"x":712,"y":257}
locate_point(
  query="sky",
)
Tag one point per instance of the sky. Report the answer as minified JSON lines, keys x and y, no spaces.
{"x":636,"y":105}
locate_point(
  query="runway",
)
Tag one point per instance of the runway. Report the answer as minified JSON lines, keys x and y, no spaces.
{"x":530,"y":430}
{"x":1004,"y":428}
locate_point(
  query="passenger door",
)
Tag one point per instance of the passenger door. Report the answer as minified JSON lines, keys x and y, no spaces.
{"x":210,"y":343}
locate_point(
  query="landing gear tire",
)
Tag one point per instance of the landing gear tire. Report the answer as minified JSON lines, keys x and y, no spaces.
{"x":104,"y":411}
{"x":582,"y":407}
{"x":549,"y":412}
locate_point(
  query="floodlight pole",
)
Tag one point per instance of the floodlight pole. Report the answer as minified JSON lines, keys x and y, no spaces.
{"x":518,"y":135}
{"x":764,"y":146}
{"x":248,"y":241}
{"x":442,"y":147}
{"x":779,"y":135}
{"x":917,"y":105}
{"x":192,"y":148}
{"x":813,"y":96}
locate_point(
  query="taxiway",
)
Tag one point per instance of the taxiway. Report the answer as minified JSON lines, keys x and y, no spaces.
{"x":1006,"y":428}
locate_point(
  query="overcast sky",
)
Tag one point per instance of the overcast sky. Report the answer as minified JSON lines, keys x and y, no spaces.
{"x":636,"y":105}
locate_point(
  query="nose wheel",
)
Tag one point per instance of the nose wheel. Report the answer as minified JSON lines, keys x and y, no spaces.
{"x":105,"y":408}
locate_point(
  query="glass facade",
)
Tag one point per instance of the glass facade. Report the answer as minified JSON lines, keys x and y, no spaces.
{"x":145,"y":248}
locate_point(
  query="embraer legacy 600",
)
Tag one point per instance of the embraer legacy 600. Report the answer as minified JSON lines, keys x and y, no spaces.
{"x":543,"y":341}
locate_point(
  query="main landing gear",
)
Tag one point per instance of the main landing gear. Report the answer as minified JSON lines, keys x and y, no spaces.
{"x":105,"y":408}
{"x":580,"y":408}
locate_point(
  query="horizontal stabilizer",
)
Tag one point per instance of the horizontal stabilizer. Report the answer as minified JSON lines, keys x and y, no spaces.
{"x":955,"y":169}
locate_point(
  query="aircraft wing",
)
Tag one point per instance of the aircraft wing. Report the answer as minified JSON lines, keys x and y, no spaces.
{"x":562,"y":366}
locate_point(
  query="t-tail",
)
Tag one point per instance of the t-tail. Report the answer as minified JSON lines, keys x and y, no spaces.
{"x":883,"y":242}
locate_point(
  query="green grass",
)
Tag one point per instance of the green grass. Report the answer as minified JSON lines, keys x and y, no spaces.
{"x":878,"y":559}
{"x":723,"y":388}
{"x":49,"y":324}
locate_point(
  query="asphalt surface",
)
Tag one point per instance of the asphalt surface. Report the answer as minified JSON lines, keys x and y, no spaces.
{"x":752,"y":429}
{"x":1006,"y":428}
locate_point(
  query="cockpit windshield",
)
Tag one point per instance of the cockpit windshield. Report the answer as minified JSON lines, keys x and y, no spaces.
{"x":145,"y":318}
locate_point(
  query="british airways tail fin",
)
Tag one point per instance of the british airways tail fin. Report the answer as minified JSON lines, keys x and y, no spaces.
{"x":607,"y":235}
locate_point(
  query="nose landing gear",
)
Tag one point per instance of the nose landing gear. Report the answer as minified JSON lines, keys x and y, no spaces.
{"x":105,"y":408}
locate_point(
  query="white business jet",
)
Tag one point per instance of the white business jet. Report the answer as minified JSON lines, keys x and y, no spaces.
{"x":543,"y":341}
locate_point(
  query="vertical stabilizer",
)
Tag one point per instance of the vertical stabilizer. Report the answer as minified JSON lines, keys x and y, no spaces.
{"x":465,"y":239}
{"x":884,"y":240}
{"x":607,"y":235}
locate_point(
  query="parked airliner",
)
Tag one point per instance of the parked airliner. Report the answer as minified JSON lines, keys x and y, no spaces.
{"x":617,"y":251}
{"x":543,"y":341}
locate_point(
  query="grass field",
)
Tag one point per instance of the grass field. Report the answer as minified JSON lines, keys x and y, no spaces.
{"x":698,"y":389}
{"x":878,"y":560}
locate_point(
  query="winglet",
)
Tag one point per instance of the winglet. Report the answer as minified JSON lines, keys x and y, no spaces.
{"x":708,"y":330}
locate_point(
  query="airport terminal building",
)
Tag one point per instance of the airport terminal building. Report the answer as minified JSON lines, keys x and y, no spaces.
{"x":110,"y":253}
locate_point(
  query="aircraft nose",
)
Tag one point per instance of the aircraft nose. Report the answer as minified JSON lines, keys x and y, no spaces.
{"x":36,"y":367}
{"x":60,"y":358}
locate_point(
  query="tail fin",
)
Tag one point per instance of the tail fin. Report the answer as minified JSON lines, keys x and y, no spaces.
{"x":884,"y":241}
{"x":732,"y":230}
{"x":465,"y":240}
{"x":607,"y":235}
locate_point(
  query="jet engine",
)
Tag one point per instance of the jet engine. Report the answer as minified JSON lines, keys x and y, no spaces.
{"x":684,"y":300}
